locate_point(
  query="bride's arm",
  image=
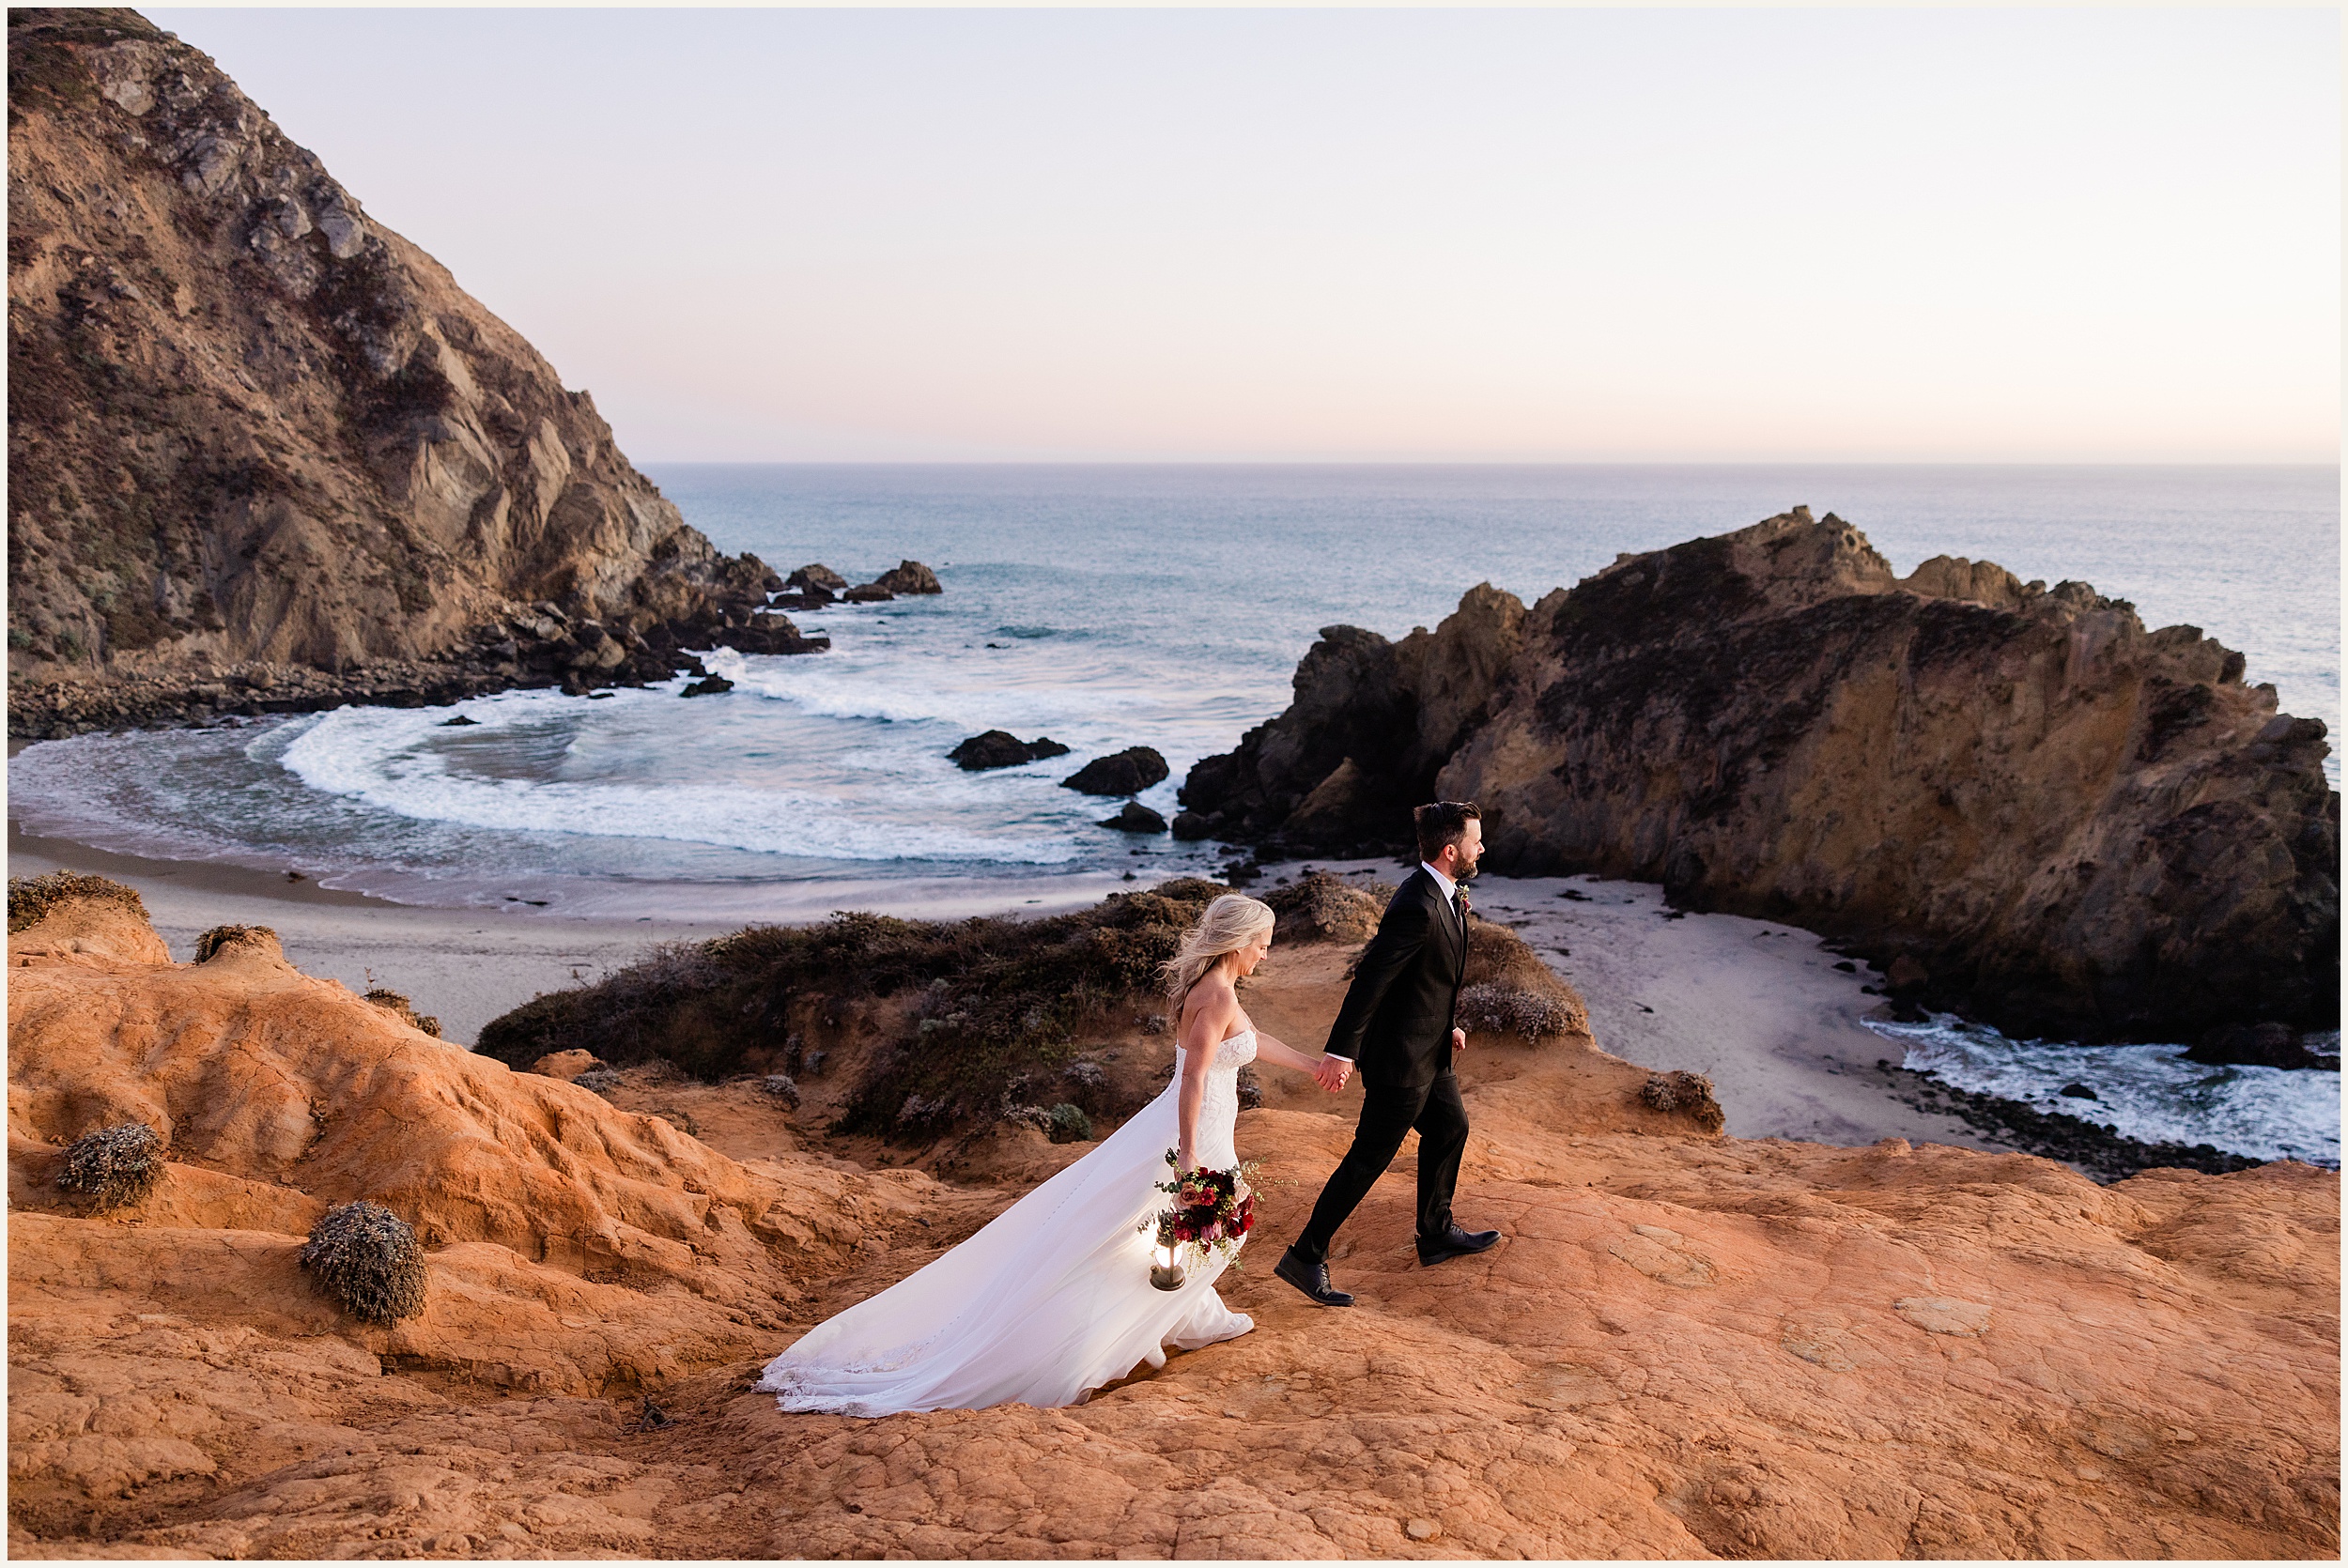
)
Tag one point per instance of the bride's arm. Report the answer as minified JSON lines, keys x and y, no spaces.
{"x":1283,"y":1054}
{"x":1200,"y":1039}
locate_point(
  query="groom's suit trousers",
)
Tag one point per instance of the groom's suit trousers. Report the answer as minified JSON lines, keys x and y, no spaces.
{"x":1388,"y":1113}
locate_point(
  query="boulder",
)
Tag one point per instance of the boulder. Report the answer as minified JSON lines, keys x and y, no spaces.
{"x":1136,"y":818}
{"x":708,"y":686}
{"x":566,"y":1065}
{"x":909,"y":577}
{"x":1124,"y":773}
{"x":814,"y":578}
{"x":1190,"y":825}
{"x":868,"y":593}
{"x":999,"y":748}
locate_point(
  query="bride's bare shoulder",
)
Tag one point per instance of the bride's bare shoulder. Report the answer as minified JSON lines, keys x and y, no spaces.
{"x":1208,"y":1010}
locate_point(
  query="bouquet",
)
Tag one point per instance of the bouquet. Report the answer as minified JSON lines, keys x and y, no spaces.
{"x":1211,"y":1211}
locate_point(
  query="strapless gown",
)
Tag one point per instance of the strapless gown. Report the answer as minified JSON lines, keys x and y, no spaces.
{"x":1049,"y":1301}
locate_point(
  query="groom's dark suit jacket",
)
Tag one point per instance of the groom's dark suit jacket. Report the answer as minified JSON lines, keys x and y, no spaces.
{"x":1396,"y":1024}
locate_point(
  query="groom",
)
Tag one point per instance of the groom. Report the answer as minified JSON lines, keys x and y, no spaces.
{"x":1396,"y":1024}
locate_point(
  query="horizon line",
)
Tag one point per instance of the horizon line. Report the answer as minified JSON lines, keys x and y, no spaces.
{"x":2333,"y":463}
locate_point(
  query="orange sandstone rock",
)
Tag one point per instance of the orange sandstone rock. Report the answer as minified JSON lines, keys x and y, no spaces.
{"x":1688,"y":1346}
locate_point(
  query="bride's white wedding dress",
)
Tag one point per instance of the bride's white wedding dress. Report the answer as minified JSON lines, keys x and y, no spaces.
{"x":1052,"y":1300}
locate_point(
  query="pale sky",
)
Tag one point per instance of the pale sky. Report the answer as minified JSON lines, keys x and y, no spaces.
{"x":1835,"y":235}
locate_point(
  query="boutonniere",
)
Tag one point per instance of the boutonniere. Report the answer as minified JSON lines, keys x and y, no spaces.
{"x":1464,"y":905}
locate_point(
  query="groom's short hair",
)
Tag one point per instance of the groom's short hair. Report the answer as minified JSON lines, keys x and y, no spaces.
{"x":1441,"y":821}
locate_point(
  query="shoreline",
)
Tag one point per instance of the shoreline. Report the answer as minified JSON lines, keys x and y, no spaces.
{"x":1768,"y":1018}
{"x":1756,"y":1005}
{"x":1761,"y":1007}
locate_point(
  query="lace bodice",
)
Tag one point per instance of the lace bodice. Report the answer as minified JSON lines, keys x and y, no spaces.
{"x":1219,"y":1111}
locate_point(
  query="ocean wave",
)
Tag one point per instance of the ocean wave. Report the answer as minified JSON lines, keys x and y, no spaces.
{"x":896,"y":694}
{"x":2146,"y":1092}
{"x":381,"y":757}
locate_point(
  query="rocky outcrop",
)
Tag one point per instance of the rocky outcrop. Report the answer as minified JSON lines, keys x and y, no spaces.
{"x":1123,"y":772}
{"x":2053,"y":818}
{"x":1000,"y":749}
{"x":1688,"y":1346}
{"x":1372,"y":725}
{"x":909,"y":577}
{"x":253,"y":432}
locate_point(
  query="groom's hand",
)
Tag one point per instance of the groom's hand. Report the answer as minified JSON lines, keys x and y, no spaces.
{"x":1459,"y":1039}
{"x":1332,"y":1071}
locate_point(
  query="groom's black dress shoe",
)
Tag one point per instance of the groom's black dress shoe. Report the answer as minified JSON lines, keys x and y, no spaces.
{"x":1312,"y":1279}
{"x":1453,"y":1242}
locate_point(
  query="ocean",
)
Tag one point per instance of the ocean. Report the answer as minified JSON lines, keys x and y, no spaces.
{"x":1105,"y":607}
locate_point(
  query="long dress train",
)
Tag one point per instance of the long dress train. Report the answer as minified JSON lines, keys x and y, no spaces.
{"x":1050,"y":1301}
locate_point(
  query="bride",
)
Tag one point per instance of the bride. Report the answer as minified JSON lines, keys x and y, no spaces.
{"x":1053,"y":1299}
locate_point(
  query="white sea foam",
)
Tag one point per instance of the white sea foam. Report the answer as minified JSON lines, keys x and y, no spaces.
{"x":2147,"y":1092}
{"x":382,"y":757}
{"x":895,"y":694}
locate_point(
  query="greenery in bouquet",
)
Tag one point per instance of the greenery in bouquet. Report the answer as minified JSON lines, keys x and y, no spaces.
{"x":1211,"y":1211}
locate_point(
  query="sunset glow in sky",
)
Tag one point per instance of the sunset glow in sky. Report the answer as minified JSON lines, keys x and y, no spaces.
{"x":2087,"y":235}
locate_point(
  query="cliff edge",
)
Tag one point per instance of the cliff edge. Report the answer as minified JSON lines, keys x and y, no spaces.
{"x":256,"y":438}
{"x":1688,"y":1346}
{"x":2017,"y":800}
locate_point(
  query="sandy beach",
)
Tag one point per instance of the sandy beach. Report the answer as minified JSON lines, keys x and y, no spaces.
{"x":1757,"y":1007}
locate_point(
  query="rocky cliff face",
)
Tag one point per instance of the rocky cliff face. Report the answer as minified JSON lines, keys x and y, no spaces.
{"x":2057,"y":818}
{"x":251,"y":427}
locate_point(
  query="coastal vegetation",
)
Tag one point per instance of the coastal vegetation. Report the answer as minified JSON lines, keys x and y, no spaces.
{"x":983,"y":1018}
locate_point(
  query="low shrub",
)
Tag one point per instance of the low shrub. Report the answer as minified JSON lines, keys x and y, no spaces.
{"x":1688,"y":1094}
{"x":368,"y":1259}
{"x":32,"y":898}
{"x":114,"y":1167}
{"x":218,"y":937}
{"x":393,"y":1002}
{"x":1068,"y":1124}
{"x":997,"y":1003}
{"x":1491,"y":1007}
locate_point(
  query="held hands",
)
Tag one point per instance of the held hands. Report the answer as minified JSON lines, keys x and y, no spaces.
{"x":1331,"y":1072}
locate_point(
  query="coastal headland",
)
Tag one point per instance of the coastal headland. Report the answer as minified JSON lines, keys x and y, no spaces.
{"x":1692,"y":1344}
{"x":2015,"y":800}
{"x":265,"y":456}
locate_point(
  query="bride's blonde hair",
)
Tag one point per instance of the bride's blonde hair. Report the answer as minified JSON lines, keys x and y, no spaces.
{"x":1230,"y":923}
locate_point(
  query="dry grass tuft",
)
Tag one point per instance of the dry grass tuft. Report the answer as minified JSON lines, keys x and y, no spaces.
{"x":115,"y":1167}
{"x":368,"y":1258}
{"x":1686,"y":1094}
{"x":220,"y":937}
{"x":32,"y":898}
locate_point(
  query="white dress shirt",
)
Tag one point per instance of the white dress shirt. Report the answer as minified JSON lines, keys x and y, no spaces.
{"x":1450,"y":889}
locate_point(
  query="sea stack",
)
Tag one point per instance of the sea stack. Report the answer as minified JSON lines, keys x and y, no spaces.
{"x":2064,"y":823}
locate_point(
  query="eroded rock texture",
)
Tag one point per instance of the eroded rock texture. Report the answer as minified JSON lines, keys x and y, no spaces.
{"x":2060,"y":820}
{"x":1688,"y":1346}
{"x":248,"y":425}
